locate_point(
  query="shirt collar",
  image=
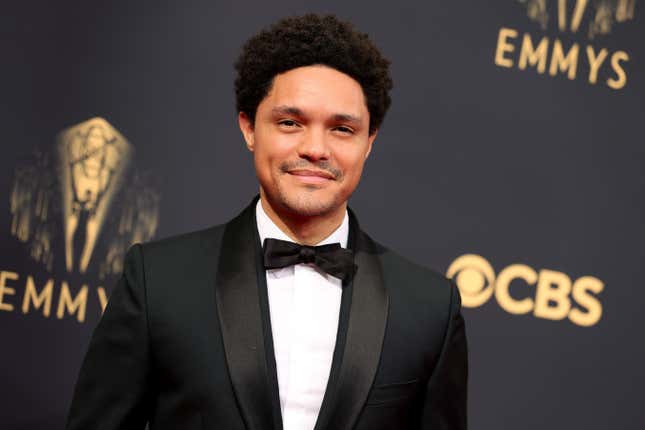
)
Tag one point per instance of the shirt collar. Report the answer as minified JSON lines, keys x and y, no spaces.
{"x":268,"y":229}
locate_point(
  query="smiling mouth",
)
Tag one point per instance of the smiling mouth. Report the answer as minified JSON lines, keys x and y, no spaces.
{"x":311,"y":176}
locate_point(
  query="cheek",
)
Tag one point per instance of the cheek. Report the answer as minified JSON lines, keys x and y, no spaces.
{"x":263,"y":153}
{"x":268,"y":158}
{"x":272,"y":148}
{"x":262,"y":163}
{"x":352,"y":167}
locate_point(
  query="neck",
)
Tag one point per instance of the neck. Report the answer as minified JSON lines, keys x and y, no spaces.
{"x":305,"y":230}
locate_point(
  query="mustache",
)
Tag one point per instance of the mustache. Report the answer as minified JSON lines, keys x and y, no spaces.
{"x":325,"y":165}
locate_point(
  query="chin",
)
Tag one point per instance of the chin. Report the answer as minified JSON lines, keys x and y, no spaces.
{"x":309,"y":203}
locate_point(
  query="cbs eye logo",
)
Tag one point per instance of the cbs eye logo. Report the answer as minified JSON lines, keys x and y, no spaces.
{"x":548,"y":294}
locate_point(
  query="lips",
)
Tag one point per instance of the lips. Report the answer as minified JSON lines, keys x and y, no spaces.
{"x":311,"y":176}
{"x":318,"y":173}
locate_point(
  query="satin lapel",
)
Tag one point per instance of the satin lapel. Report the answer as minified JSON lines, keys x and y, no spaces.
{"x":238,"y":307}
{"x":364,"y":337}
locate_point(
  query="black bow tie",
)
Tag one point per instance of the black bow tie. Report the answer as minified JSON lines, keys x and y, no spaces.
{"x":333,"y":259}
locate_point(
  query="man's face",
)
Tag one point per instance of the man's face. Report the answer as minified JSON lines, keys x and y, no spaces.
{"x":310,"y":140}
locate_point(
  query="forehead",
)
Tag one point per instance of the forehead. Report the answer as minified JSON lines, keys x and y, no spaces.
{"x":317,"y":89}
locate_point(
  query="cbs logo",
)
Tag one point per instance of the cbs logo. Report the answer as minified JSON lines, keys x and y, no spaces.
{"x":553,"y":297}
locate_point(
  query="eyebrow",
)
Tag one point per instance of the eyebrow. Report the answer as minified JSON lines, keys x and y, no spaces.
{"x":287,"y":110}
{"x":292,"y":110}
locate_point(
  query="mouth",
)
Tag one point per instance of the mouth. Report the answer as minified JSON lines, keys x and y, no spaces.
{"x":311,"y":176}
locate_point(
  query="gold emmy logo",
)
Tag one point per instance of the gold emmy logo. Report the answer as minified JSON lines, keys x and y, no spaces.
{"x":79,"y":183}
{"x":93,"y":157}
{"x":600,"y":16}
{"x":555,"y":296}
{"x":604,"y":14}
{"x":83,"y":200}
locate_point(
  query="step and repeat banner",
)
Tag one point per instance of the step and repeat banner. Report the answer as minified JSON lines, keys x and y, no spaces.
{"x":512,"y":160}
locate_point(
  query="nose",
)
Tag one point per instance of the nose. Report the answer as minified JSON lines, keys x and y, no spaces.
{"x":314,"y":146}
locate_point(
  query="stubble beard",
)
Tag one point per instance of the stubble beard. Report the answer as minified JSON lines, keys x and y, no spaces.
{"x":308,"y":200}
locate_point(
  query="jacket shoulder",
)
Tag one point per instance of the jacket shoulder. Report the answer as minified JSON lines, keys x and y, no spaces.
{"x":185,"y":246}
{"x":408,"y":269}
{"x":405,"y":278}
{"x":417,"y":293}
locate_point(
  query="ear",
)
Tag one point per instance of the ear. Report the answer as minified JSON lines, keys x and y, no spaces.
{"x":246,"y":127}
{"x":370,"y":141}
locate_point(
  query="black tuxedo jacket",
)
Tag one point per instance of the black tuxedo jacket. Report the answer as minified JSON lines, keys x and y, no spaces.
{"x":185,"y":342}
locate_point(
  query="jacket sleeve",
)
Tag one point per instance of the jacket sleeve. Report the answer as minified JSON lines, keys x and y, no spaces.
{"x":111,"y":390}
{"x":446,"y":394}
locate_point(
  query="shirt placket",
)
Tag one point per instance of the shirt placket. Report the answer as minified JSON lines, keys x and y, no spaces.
{"x":303,"y":335}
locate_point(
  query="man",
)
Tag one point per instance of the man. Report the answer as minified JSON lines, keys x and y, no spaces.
{"x":212,"y":330}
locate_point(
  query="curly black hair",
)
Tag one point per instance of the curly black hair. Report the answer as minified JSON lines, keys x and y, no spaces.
{"x":307,"y":40}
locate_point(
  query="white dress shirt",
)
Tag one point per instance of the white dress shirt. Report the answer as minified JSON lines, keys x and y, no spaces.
{"x":304,"y":305}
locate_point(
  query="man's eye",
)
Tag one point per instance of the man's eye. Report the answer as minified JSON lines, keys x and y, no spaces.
{"x":288,"y":123}
{"x":344,"y":130}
